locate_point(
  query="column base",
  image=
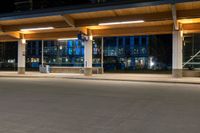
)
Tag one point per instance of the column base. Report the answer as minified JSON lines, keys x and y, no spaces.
{"x":21,"y":70}
{"x":102,"y":71}
{"x":177,"y":73}
{"x":88,"y":71}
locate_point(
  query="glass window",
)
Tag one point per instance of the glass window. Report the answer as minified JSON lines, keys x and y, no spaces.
{"x":63,"y":53}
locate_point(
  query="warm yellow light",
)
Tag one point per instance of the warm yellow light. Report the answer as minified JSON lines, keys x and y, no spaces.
{"x":23,"y":41}
{"x":189,"y":21}
{"x":91,"y":37}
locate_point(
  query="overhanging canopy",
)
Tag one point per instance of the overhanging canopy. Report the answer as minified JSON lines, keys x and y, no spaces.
{"x":159,"y":18}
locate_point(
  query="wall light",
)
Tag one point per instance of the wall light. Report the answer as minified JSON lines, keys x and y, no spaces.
{"x":123,"y":22}
{"x":34,"y":29}
{"x":23,"y":41}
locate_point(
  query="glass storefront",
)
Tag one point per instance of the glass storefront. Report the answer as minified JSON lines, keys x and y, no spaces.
{"x":64,"y":53}
{"x":160,"y":52}
{"x":8,"y":56}
{"x":129,"y":53}
{"x":126,"y":53}
{"x":33,"y":55}
{"x":97,"y":52}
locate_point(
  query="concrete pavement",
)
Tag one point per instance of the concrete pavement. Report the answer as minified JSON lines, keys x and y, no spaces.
{"x":39,"y":105}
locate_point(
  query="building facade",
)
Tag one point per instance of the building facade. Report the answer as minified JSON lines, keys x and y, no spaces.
{"x":120,"y":54}
{"x":115,"y":35}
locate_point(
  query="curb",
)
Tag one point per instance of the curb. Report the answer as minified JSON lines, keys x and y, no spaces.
{"x":102,"y":79}
{"x":142,"y":81}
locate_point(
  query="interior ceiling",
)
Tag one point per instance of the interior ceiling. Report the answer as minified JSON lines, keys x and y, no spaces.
{"x":32,"y":20}
{"x":79,"y":17}
{"x":122,"y":12}
{"x":157,"y":23}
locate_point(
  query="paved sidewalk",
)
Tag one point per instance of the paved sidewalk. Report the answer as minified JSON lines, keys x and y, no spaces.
{"x":162,"y":78}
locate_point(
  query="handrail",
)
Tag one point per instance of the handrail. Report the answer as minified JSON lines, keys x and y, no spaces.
{"x":191,"y":58}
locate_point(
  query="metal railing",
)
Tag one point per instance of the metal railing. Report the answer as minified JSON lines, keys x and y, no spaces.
{"x":192,"y":63}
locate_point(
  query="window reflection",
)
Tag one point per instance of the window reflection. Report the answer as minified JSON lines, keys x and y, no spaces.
{"x":64,"y":53}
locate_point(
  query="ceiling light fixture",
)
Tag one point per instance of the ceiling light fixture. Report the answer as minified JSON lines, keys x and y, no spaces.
{"x":34,"y":29}
{"x":67,"y":39}
{"x":123,"y":22}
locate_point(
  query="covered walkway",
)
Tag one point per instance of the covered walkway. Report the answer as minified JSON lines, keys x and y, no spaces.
{"x":146,"y":18}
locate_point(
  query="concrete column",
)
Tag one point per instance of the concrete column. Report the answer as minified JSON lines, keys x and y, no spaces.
{"x":88,"y":57}
{"x":102,"y":55}
{"x":21,"y":56}
{"x":177,"y":64}
{"x":42,"y":54}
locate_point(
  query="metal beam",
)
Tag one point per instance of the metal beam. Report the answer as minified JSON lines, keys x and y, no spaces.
{"x":174,"y":16}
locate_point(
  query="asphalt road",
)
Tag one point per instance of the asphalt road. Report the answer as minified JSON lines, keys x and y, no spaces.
{"x":88,"y":106}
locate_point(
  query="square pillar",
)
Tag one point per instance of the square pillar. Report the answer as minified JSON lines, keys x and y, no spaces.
{"x":88,"y":57}
{"x":21,"y":56}
{"x":177,"y":64}
{"x":102,"y":55}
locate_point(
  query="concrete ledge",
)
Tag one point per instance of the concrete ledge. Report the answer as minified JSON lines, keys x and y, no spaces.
{"x":79,"y":70}
{"x":97,"y":70}
{"x":191,"y":73}
{"x":66,"y":69}
{"x":88,"y":71}
{"x":21,"y":70}
{"x":177,"y":73}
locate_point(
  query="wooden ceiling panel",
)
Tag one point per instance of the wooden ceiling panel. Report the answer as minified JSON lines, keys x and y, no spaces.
{"x":144,"y":10}
{"x":189,"y":21}
{"x":188,"y":5}
{"x":51,"y":31}
{"x":149,"y":30}
{"x":32,"y":20}
{"x":156,"y":23}
{"x":53,"y":35}
{"x":122,"y":12}
{"x":6,"y":38}
{"x":91,"y":15}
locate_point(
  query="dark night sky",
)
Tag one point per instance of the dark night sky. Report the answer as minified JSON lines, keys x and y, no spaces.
{"x":7,"y":6}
